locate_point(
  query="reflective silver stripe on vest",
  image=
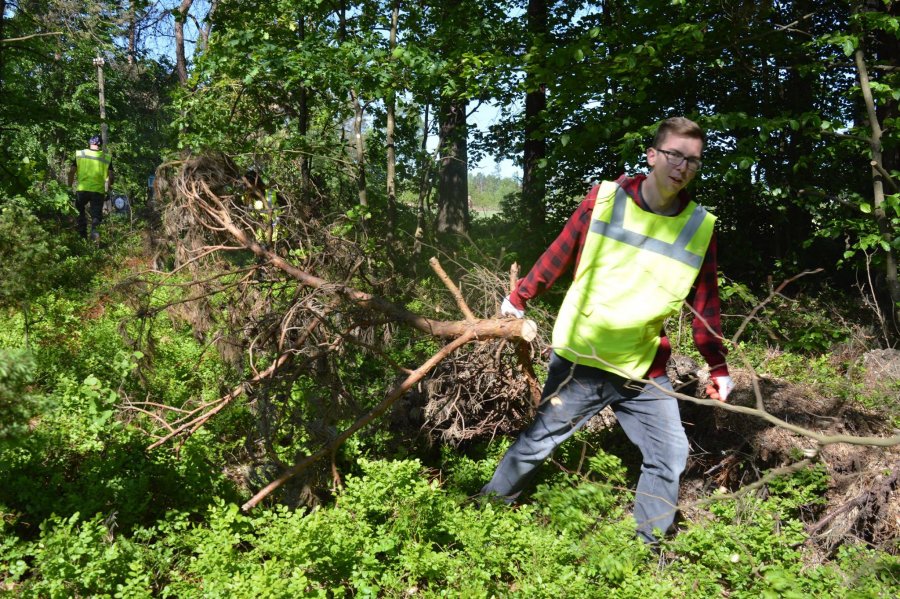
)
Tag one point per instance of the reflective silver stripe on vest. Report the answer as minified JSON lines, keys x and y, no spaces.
{"x":99,"y":158}
{"x":614,"y":229}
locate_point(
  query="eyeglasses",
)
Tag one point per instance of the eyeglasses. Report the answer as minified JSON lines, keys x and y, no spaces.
{"x":676,"y":159}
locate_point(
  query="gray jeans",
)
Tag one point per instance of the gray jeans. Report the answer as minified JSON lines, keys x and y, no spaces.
{"x":573,"y":394}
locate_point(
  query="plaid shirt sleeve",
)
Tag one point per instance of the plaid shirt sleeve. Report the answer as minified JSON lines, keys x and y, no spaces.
{"x":562,"y":255}
{"x":707,"y":325}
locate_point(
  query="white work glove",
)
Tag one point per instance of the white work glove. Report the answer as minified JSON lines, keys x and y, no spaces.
{"x":507,"y":309}
{"x":721,"y":388}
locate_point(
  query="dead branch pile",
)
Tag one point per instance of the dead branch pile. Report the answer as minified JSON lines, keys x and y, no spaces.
{"x":478,"y":395}
{"x":299,"y":333}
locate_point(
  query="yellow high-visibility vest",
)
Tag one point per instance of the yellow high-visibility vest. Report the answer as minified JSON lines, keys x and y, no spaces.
{"x":269,"y":215}
{"x":93,"y":168}
{"x":636,"y":269}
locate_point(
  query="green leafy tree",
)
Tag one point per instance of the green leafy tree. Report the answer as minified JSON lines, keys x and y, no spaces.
{"x":17,"y":405}
{"x":27,"y":256}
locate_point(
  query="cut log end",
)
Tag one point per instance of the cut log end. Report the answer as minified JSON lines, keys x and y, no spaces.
{"x":529,"y":330}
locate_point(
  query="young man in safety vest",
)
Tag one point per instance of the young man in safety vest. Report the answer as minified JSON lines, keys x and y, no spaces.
{"x":639,"y":247}
{"x":94,"y":169}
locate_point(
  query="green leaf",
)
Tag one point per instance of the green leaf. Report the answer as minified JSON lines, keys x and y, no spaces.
{"x":849,"y":46}
{"x":866,"y":207}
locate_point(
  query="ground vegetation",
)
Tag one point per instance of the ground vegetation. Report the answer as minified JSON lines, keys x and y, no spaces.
{"x":219,"y":400}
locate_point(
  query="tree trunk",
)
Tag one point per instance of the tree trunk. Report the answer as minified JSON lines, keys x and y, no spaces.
{"x":132,"y":32}
{"x":535,"y":150}
{"x":424,"y":187}
{"x":453,"y":185}
{"x":2,"y":23}
{"x":207,"y":27}
{"x":881,"y":218}
{"x":303,"y":118}
{"x":180,"y":59}
{"x":389,"y":133}
{"x":360,"y":148}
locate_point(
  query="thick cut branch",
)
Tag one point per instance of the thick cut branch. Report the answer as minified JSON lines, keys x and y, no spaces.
{"x":523,"y":349}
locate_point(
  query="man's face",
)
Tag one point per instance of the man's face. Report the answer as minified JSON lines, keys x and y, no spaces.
{"x":674,"y":148}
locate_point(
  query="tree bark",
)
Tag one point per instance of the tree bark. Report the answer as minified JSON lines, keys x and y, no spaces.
{"x":881,"y":219}
{"x":389,"y":132}
{"x":360,"y":148}
{"x":424,"y":187}
{"x":2,"y":55}
{"x":180,"y":59}
{"x":132,"y":32}
{"x":453,"y":184}
{"x":207,"y":27}
{"x":303,"y":118}
{"x":535,"y":150}
{"x":453,"y":177}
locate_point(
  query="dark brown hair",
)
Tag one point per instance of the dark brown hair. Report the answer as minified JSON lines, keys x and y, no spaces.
{"x":679,"y":126}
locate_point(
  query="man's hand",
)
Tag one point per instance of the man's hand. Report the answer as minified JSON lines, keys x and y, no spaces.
{"x":507,"y":309}
{"x":721,"y":388}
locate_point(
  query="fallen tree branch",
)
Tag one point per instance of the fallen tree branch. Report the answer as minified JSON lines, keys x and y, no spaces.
{"x":387,"y":402}
{"x":858,"y":501}
{"x":820,"y":438}
{"x":454,"y":290}
{"x":193,"y":185}
{"x":211,"y":206}
{"x":192,"y":425}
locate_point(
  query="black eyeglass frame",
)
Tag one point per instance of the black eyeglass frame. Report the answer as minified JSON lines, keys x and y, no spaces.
{"x":676,"y":159}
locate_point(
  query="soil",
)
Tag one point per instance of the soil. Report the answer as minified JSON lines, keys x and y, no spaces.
{"x":731,"y":450}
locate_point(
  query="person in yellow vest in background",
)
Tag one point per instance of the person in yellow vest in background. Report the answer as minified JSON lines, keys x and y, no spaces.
{"x":640,"y":247}
{"x":265,"y":204}
{"x":93,"y":167}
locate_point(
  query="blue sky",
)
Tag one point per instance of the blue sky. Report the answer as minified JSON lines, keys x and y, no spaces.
{"x":485,"y":116}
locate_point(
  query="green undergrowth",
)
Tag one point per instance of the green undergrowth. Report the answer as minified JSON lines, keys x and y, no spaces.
{"x":396,"y":531}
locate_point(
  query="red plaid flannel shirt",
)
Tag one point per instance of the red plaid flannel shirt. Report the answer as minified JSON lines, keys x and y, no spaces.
{"x":565,"y":253}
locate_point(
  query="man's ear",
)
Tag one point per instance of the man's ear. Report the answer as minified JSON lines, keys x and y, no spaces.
{"x":652,"y":155}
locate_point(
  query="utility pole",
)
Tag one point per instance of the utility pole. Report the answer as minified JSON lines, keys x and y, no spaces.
{"x":103,"y":128}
